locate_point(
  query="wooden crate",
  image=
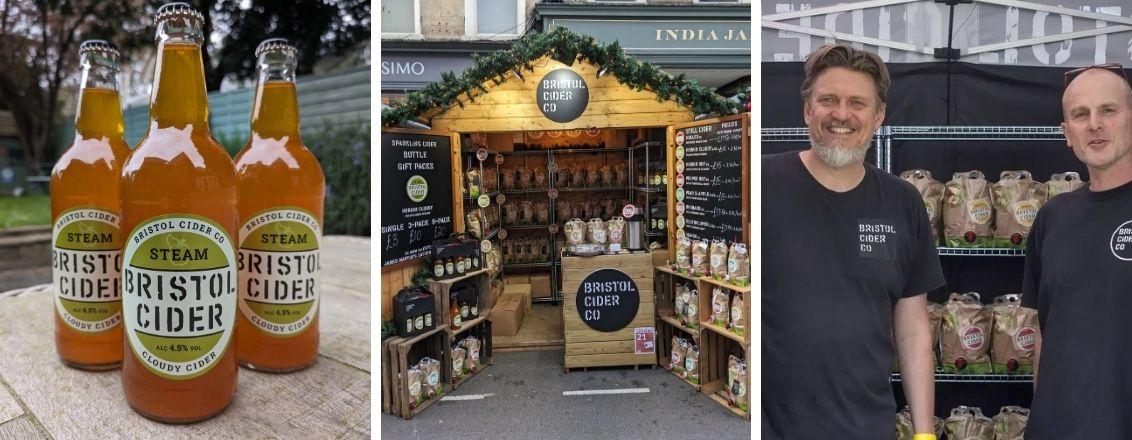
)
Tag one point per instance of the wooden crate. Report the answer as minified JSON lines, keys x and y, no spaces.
{"x":480,"y":328}
{"x":586,"y":347}
{"x":705,"y":286}
{"x":714,"y":350}
{"x":665,"y":329}
{"x":402,"y":354}
{"x":482,"y":280}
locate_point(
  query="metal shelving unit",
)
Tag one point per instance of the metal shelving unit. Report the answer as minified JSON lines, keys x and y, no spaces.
{"x":982,"y":252}
{"x":976,"y":378}
{"x":648,"y":189}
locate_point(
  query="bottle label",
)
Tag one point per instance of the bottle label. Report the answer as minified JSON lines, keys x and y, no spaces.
{"x":86,"y":262}
{"x":279,"y":270}
{"x":179,"y":294}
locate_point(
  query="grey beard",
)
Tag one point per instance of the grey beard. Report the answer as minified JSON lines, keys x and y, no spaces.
{"x":838,"y":157}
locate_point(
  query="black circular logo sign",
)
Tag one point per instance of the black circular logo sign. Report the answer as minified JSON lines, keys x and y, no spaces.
{"x":608,"y":300}
{"x":562,"y":95}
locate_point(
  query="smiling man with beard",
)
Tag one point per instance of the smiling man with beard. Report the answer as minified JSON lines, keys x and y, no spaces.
{"x":848,"y":257}
{"x":1079,"y":271}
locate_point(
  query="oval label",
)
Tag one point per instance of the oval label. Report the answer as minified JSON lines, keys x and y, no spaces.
{"x":680,"y":166}
{"x":279,"y":270}
{"x":481,"y":154}
{"x":628,"y":211}
{"x":86,"y":264}
{"x":179,"y":294}
{"x":483,"y":201}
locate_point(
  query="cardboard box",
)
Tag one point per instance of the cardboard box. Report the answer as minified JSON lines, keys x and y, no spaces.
{"x":540,"y":286}
{"x":522,"y":290}
{"x":517,"y":279}
{"x":507,"y":316}
{"x":660,"y":257}
{"x":496,"y":291}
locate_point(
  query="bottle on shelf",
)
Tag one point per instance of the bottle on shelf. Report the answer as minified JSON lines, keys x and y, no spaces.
{"x":457,"y":321}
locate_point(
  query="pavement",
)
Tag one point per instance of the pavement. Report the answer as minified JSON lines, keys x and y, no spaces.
{"x":521,"y":397}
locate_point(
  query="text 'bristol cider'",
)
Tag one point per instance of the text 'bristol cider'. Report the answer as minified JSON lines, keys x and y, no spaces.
{"x":279,"y":271}
{"x":281,"y":190}
{"x":86,"y":239}
{"x":179,"y":285}
{"x":86,"y":264}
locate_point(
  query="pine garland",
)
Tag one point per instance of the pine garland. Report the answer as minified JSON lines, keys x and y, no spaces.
{"x":564,"y":46}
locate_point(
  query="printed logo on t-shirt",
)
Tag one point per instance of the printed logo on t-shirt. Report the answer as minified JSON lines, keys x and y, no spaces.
{"x":1121,"y":242}
{"x":875,"y":238}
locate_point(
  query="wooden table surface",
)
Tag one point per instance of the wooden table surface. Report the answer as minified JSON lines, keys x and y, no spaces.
{"x":42,"y":398}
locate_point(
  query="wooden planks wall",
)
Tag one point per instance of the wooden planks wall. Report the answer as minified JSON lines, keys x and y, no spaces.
{"x":586,"y":347}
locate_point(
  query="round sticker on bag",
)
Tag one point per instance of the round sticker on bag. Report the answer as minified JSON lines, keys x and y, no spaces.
{"x":483,"y":201}
{"x":485,"y":246}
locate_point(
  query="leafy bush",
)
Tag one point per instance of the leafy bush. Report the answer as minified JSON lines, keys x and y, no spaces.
{"x":344,"y":153}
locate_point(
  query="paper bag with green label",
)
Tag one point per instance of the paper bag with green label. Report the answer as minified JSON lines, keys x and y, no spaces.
{"x":967,"y":211}
{"x":1064,"y":182}
{"x":969,"y":423}
{"x":1017,"y":198}
{"x":1010,"y":423}
{"x":931,"y":191}
{"x":964,"y":335}
{"x":1016,"y":333}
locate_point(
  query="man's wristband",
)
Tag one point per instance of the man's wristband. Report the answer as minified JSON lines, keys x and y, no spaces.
{"x":924,"y":437}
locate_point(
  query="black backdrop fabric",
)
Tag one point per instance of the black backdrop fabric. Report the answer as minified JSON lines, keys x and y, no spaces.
{"x":980,"y":95}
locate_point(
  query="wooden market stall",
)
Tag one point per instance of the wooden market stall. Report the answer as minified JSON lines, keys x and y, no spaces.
{"x":551,"y":105}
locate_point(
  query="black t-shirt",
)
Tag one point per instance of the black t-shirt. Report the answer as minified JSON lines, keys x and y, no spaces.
{"x":1079,"y":277}
{"x":834,"y":266}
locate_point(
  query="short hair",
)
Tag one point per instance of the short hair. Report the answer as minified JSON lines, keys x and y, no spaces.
{"x":846,"y":56}
{"x":1125,"y":82}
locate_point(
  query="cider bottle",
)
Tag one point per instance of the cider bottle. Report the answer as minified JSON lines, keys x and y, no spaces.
{"x":280,"y":203}
{"x":179,"y":260}
{"x":86,"y":236}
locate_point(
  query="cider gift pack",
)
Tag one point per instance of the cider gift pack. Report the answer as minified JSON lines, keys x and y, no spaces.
{"x":189,"y":245}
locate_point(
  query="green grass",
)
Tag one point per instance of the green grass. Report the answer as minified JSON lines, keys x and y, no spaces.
{"x":24,"y":211}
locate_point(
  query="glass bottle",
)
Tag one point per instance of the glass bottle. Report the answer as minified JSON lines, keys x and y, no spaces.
{"x":281,"y":189}
{"x":86,"y":210}
{"x":178,"y":193}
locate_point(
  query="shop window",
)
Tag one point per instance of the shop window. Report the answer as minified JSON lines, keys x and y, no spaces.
{"x":400,"y":18}
{"x":494,"y":19}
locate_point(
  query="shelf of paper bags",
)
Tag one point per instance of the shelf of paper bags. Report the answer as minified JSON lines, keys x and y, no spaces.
{"x":490,"y":194}
{"x":664,"y":350}
{"x":728,"y":333}
{"x":673,"y":321}
{"x":982,"y":252}
{"x":976,"y":378}
{"x":525,"y":227}
{"x":482,"y":327}
{"x":526,"y":265}
{"x":526,"y":191}
{"x":670,"y":271}
{"x":593,"y":188}
{"x":726,"y":285}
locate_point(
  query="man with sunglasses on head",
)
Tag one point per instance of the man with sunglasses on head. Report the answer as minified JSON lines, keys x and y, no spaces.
{"x":848,"y":256}
{"x":1079,"y":271}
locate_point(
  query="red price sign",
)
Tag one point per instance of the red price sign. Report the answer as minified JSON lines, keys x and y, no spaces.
{"x":628,"y":211}
{"x":644,"y":339}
